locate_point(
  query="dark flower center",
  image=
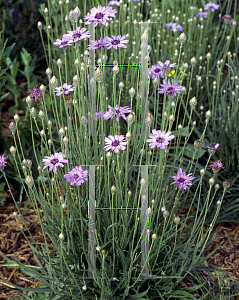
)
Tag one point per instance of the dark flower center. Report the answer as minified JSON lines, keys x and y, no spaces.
{"x":165,"y":66}
{"x":115,"y":42}
{"x":54,"y":161}
{"x":117,"y":111}
{"x":75,"y":176}
{"x":181,"y":179}
{"x":64,"y":43}
{"x":170,"y":89}
{"x":157,"y":70}
{"x":115,"y":143}
{"x":76,"y":35}
{"x":160,"y":140}
{"x":99,"y":16}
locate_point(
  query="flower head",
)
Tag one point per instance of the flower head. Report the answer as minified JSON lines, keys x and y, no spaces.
{"x":159,"y":139}
{"x":174,"y":26}
{"x":62,"y":43}
{"x":212,"y":149}
{"x":156,"y":71}
{"x":182,"y":180}
{"x":54,"y":161}
{"x":202,"y":15}
{"x":117,"y":111}
{"x":116,"y":42}
{"x":66,"y":89}
{"x":228,"y":19}
{"x":3,"y":162}
{"x":96,"y":44}
{"x":166,"y":67}
{"x":114,"y":3}
{"x":115,"y":142}
{"x":100,"y":15}
{"x":76,"y":176}
{"x":76,"y":35}
{"x":212,"y":6}
{"x":171,"y":89}
{"x":216,"y":166}
{"x":36,"y":93}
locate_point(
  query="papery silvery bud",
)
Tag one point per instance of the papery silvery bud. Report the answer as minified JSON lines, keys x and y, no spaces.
{"x":193,"y":103}
{"x":142,"y":181}
{"x":185,"y":67}
{"x":183,"y":90}
{"x":98,"y":75}
{"x":154,"y":237}
{"x":12,"y":127}
{"x":54,"y":82}
{"x":115,"y":70}
{"x":76,"y":63}
{"x":76,"y":79}
{"x":208,"y":56}
{"x":24,"y":163}
{"x":72,"y":17}
{"x":39,"y":25}
{"x":77,"y":12}
{"x":132,"y":92}
{"x":202,"y":172}
{"x":121,"y":86}
{"x":211,"y":181}
{"x":128,"y":136}
{"x":29,"y":100}
{"x":165,"y":115}
{"x":43,"y":88}
{"x":165,"y":214}
{"x":193,"y":61}
{"x":156,"y":82}
{"x":46,"y":11}
{"x":13,"y":150}
{"x":173,"y":104}
{"x":49,"y":123}
{"x":92,"y":82}
{"x":49,"y":142}
{"x":39,"y":168}
{"x":16,"y":118}
{"x":217,"y":187}
{"x":83,"y":120}
{"x":149,"y":119}
{"x":208,"y":114}
{"x":130,"y":118}
{"x":29,"y":163}
{"x":86,"y":53}
{"x":41,"y":114}
{"x":29,"y":181}
{"x":60,"y":3}
{"x":48,"y":72}
{"x":61,"y":132}
{"x":142,"y":152}
{"x":82,"y":68}
{"x":59,"y":63}
{"x":61,"y":236}
{"x":109,"y":155}
{"x":163,"y":209}
{"x":226,"y":184}
{"x":84,"y":288}
{"x":113,"y":189}
{"x":182,"y":38}
{"x":171,"y":119}
{"x":180,"y":127}
{"x":198,"y":144}
{"x":129,"y":193}
{"x":104,"y":58}
{"x":14,"y":214}
{"x":65,"y":140}
{"x":176,"y":220}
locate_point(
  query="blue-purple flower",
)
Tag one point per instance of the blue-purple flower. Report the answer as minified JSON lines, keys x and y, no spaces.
{"x":216,"y":166}
{"x":212,"y":149}
{"x":202,"y":15}
{"x":171,"y":89}
{"x":174,"y":26}
{"x":76,"y":176}
{"x":66,"y":89}
{"x":182,"y":180}
{"x":3,"y":162}
{"x":166,"y":67}
{"x":117,"y":111}
{"x":100,"y":15}
{"x":96,"y":44}
{"x":228,"y":19}
{"x":62,"y":43}
{"x":156,"y":71}
{"x":35,"y":93}
{"x":159,"y":139}
{"x":115,"y":142}
{"x":116,"y":42}
{"x":114,"y":3}
{"x":15,"y":14}
{"x":212,"y":6}
{"x":55,"y":160}
{"x":76,"y":35}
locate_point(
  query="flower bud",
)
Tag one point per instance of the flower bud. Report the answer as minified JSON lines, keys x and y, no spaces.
{"x":226,"y":184}
{"x":217,"y":187}
{"x":54,"y":82}
{"x":156,"y":82}
{"x":39,"y":25}
{"x":208,"y":114}
{"x":193,"y":61}
{"x":43,"y":88}
{"x":46,"y":11}
{"x":33,"y":112}
{"x":16,"y":118}
{"x":132,"y":92}
{"x":92,"y":82}
{"x":202,"y":172}
{"x":128,"y":136}
{"x":48,"y":72}
{"x":130,"y":118}
{"x":61,"y":132}
{"x":14,"y":214}
{"x":165,"y":214}
{"x":12,"y":127}
{"x":98,"y":75}
{"x":154,"y":237}
{"x":29,"y":163}
{"x":29,"y":181}
{"x":41,"y":114}
{"x":59,"y":63}
{"x":49,"y":123}
{"x":182,"y":38}
{"x":61,"y":236}
{"x":84,"y":288}
{"x":185,"y":67}
{"x":13,"y":150}
{"x":176,"y":220}
{"x":109,"y":155}
{"x":115,"y":70}
{"x":83,"y":120}
{"x":142,"y":152}
{"x":208,"y":56}
{"x":113,"y":189}
{"x":121,"y":86}
{"x":39,"y":168}
{"x":29,"y":101}
{"x":171,"y":119}
{"x":211,"y":181}
{"x":65,"y":140}
{"x":149,"y":119}
{"x":129,"y":193}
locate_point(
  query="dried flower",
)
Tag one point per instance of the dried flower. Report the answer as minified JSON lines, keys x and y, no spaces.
{"x":216,"y":166}
{"x":226,"y":184}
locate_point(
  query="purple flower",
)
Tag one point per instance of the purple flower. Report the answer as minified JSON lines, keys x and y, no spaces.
{"x":171,"y":89}
{"x":159,"y":139}
{"x":115,"y":142}
{"x":116,"y":42}
{"x":156,"y":71}
{"x":66,"y":89}
{"x":3,"y":162}
{"x":100,"y":15}
{"x":97,"y":115}
{"x":54,"y":161}
{"x":166,"y":67}
{"x":202,"y":15}
{"x":76,"y":176}
{"x":212,"y":6}
{"x":15,"y":14}
{"x":174,"y":26}
{"x":36,"y":93}
{"x":216,"y":166}
{"x":212,"y":149}
{"x":96,"y":44}
{"x":76,"y":35}
{"x":114,"y":3}
{"x":118,"y":111}
{"x":228,"y":19}
{"x":62,"y":43}
{"x":182,"y":180}
{"x":136,"y":0}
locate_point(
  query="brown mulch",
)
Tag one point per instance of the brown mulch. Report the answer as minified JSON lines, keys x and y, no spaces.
{"x":13,"y":242}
